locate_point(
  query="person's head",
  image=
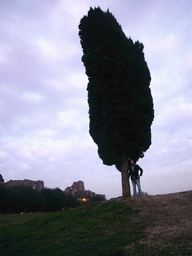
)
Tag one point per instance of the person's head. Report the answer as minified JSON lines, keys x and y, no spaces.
{"x":132,"y":162}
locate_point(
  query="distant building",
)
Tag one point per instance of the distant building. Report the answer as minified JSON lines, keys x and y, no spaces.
{"x":38,"y":185}
{"x":78,"y":190}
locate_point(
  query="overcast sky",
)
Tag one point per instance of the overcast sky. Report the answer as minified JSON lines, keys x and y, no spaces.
{"x":44,"y":123}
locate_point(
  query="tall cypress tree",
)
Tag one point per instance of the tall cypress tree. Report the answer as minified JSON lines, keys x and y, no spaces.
{"x":120,"y":102}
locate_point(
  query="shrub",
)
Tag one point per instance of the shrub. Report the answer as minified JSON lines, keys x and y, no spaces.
{"x":26,"y":199}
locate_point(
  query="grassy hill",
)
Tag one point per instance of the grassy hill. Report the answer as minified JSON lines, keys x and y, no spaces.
{"x":149,"y":225}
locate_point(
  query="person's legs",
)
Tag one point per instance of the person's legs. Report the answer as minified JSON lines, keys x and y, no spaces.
{"x":134,"y":188}
{"x":139,"y":186}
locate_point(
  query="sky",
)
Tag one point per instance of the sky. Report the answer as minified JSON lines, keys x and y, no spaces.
{"x":44,"y":122}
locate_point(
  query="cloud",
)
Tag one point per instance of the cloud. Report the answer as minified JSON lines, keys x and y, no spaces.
{"x":46,"y":48}
{"x":43,"y":105}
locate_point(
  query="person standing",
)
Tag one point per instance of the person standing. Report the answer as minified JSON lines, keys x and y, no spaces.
{"x":135,"y":172}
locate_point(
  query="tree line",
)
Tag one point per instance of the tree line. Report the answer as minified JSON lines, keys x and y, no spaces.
{"x":19,"y":199}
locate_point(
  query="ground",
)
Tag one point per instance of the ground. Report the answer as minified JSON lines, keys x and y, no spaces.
{"x":148,"y":225}
{"x":169,"y":221}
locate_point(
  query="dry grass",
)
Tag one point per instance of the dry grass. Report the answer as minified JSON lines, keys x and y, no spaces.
{"x":168,"y":223}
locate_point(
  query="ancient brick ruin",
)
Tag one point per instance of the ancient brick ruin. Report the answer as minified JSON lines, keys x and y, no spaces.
{"x":38,"y":185}
{"x":78,"y":190}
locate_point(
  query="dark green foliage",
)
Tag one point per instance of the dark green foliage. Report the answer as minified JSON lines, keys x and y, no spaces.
{"x":3,"y":198}
{"x":96,"y":198}
{"x":20,"y":199}
{"x":1,"y":178}
{"x":119,"y":97}
{"x":26,"y":199}
{"x":56,"y":199}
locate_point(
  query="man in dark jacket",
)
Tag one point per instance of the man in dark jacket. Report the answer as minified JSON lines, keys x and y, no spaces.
{"x":135,"y":172}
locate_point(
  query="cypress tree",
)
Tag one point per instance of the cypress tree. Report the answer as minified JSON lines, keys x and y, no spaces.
{"x":120,"y":102}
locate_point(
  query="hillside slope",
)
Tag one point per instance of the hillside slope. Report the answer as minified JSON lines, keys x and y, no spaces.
{"x":148,"y":225}
{"x":168,"y":223}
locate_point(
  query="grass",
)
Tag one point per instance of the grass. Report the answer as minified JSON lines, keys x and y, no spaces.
{"x":111,"y":228}
{"x":99,"y":229}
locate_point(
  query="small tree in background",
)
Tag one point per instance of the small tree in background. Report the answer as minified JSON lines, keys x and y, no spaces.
{"x":120,"y":102}
{"x":1,"y":178}
{"x":17,"y":199}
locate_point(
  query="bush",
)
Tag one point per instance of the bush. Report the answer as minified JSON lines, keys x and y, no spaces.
{"x":97,"y":198}
{"x":56,"y":199}
{"x":26,"y":199}
{"x":3,"y":198}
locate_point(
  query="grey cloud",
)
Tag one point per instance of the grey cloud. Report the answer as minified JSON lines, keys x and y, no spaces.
{"x":44,"y":111}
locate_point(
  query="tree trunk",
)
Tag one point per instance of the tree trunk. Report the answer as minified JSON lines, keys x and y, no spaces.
{"x":125,"y":178}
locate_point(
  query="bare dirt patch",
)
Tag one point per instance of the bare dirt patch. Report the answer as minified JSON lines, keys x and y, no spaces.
{"x":168,"y":221}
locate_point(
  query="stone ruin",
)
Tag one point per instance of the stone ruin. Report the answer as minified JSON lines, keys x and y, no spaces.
{"x":78,"y":190}
{"x":38,"y":185}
